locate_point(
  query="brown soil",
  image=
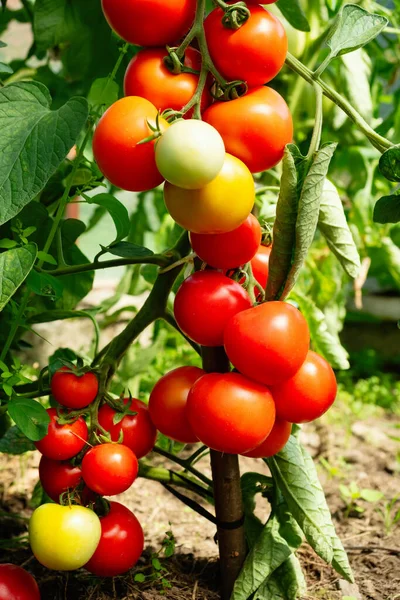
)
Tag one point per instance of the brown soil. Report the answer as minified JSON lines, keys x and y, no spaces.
{"x":365,"y":453}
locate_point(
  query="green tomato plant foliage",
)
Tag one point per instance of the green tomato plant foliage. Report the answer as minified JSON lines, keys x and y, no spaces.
{"x":332,"y":206}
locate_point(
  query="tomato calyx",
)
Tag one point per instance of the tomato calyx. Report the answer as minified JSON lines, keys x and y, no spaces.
{"x":230,"y":91}
{"x":235,"y":15}
{"x":175,"y":64}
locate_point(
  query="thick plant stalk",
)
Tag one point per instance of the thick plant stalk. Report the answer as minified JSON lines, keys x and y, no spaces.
{"x":227,"y":496}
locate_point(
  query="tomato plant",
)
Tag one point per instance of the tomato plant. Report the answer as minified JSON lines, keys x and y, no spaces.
{"x":57,"y":477}
{"x":63,"y":441}
{"x":121,"y":543}
{"x":109,"y":469}
{"x":17,"y":584}
{"x":72,"y":390}
{"x":64,"y":538}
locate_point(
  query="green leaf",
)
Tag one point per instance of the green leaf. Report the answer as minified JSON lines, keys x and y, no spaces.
{"x":294,"y":472}
{"x":357,"y":73}
{"x":293,"y":12}
{"x":353,"y":28}
{"x":44,"y":284}
{"x":15,"y":442}
{"x":117,"y":211}
{"x":387,"y":209}
{"x":371,"y":495}
{"x":30,"y":416}
{"x":139,"y":578}
{"x":6,"y":243}
{"x":333,"y":226}
{"x":34,"y":141}
{"x":37,"y":495}
{"x":286,"y":583}
{"x":252,"y":484}
{"x":128,"y":250}
{"x":5,"y":69}
{"x":104,"y":91}
{"x":47,"y":258}
{"x":389,"y":164}
{"x":15,"y":265}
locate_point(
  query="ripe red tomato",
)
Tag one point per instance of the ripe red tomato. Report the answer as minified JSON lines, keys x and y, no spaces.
{"x":254,"y":53}
{"x":122,"y":161}
{"x":17,"y":584}
{"x":274,"y":443}
{"x":204,"y":304}
{"x":74,"y":391}
{"x":148,"y":77}
{"x":255,"y":127}
{"x":229,"y":412}
{"x":268,"y":343}
{"x":139,"y":432}
{"x":63,"y":441}
{"x":121,"y":543}
{"x":109,"y":469}
{"x":154,"y":23}
{"x":228,"y":250}
{"x":260,"y":265}
{"x":58,"y":477}
{"x":309,"y":393}
{"x":167,"y":403}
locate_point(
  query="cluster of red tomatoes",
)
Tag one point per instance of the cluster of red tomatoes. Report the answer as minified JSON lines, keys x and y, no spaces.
{"x":112,"y":544}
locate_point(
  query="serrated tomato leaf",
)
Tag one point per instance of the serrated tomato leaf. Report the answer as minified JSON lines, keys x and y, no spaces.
{"x":15,"y":265}
{"x":294,"y":14}
{"x":128,"y":250}
{"x":389,"y":164}
{"x":117,"y":212}
{"x":387,"y":209}
{"x":15,"y":442}
{"x":30,"y":416}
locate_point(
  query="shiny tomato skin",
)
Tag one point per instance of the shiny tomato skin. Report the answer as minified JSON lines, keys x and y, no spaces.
{"x":147,"y":76}
{"x":255,"y":127}
{"x":267,"y":343}
{"x":139,"y":432}
{"x":58,"y":477}
{"x":63,"y":441}
{"x":121,"y":543}
{"x":17,"y":584}
{"x":204,"y":304}
{"x":74,"y":391}
{"x":122,"y":161}
{"x":229,"y":412}
{"x":205,"y":210}
{"x":274,"y":443}
{"x":150,"y":22}
{"x":167,"y":403}
{"x":260,"y":264}
{"x":109,"y":469}
{"x":309,"y":393}
{"x":254,"y":53}
{"x":229,"y":250}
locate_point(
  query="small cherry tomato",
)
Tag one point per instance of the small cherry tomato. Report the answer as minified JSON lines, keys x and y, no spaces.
{"x":139,"y":432}
{"x":58,"y":477}
{"x":124,"y":162}
{"x":205,"y":210}
{"x":154,"y":23}
{"x":190,"y":154}
{"x":17,"y":584}
{"x":63,"y":441}
{"x":274,"y":443}
{"x":267,"y":343}
{"x":309,"y":393}
{"x":204,"y":304}
{"x":148,"y":76}
{"x":121,"y":543}
{"x":228,"y":250}
{"x":260,"y":265}
{"x":109,"y":469}
{"x":167,"y":403}
{"x":74,"y":391}
{"x":64,"y":538}
{"x":254,"y":53}
{"x":229,"y":412}
{"x":255,"y":127}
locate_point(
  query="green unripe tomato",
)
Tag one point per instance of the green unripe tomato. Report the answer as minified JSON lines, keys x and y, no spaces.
{"x":64,"y":538}
{"x":190,"y":154}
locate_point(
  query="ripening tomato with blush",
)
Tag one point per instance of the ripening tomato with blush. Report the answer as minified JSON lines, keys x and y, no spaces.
{"x":63,"y":441}
{"x":274,"y":443}
{"x":267,"y":343}
{"x":139,"y":432}
{"x":121,"y":543}
{"x":204,"y":304}
{"x":109,"y":469}
{"x":167,"y":403}
{"x":148,"y":76}
{"x":309,"y":393}
{"x":255,"y":127}
{"x":57,"y":477}
{"x":254,"y":53}
{"x":122,"y":160}
{"x":229,"y":250}
{"x":17,"y":584}
{"x":150,"y":23}
{"x":74,"y":390}
{"x":230,"y":413}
